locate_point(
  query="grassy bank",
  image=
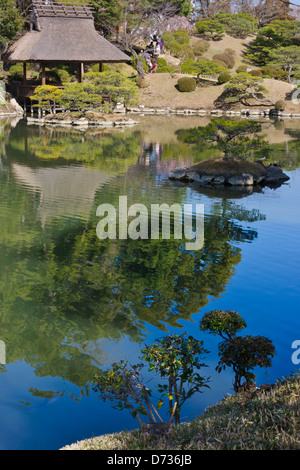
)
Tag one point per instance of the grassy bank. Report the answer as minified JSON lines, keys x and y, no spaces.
{"x":266,"y":419}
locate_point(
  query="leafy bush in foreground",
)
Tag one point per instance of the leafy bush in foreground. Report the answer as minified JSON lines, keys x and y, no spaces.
{"x":175,"y":358}
{"x":243,"y":354}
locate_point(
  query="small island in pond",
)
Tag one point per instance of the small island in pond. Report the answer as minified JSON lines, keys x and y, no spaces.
{"x":233,"y":173}
{"x":237,"y":141}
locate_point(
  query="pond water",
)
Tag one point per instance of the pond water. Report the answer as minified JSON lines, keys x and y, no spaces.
{"x":70,"y":303}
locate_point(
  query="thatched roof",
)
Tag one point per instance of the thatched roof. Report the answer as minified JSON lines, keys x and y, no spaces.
{"x":62,"y":33}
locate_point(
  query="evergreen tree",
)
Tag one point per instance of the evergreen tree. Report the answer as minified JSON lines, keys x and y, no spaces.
{"x":11,"y":21}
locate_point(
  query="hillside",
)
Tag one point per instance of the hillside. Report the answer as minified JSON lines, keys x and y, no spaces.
{"x":162,"y":91}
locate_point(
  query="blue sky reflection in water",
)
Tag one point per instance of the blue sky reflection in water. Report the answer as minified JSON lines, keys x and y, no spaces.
{"x":70,"y":303}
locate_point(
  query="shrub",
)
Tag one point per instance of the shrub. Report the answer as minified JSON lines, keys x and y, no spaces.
{"x":177,"y":359}
{"x":16,"y":72}
{"x":181,"y":36}
{"x":274,"y":72}
{"x":115,"y":84}
{"x":210,"y":28}
{"x":175,"y":49}
{"x":280,"y":105}
{"x":224,"y":77}
{"x":123,"y":385}
{"x":186,"y":84}
{"x":256,"y":73}
{"x":141,"y":82}
{"x":177,"y":43}
{"x":186,"y":52}
{"x":238,"y":25}
{"x":221,"y":64}
{"x":227,"y":58}
{"x":163,"y":67}
{"x":242,"y":69}
{"x":240,"y":88}
{"x":64,"y":76}
{"x":168,"y":39}
{"x":47,"y":96}
{"x":203,"y":67}
{"x":226,"y":323}
{"x":88,"y":94}
{"x":58,"y":76}
{"x":200,"y":47}
{"x":243,"y":354}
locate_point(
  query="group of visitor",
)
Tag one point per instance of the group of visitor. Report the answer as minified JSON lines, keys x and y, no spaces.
{"x":152,"y":52}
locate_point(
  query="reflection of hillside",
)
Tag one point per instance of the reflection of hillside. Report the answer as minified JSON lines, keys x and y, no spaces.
{"x":64,"y":191}
{"x":163,"y":129}
{"x":277,"y":132}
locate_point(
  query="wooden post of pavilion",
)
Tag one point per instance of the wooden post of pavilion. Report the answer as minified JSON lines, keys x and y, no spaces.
{"x":24,"y":73}
{"x":24,"y":83}
{"x":80,"y":72}
{"x":43,"y":74}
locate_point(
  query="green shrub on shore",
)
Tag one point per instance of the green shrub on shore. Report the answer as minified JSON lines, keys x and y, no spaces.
{"x":279,"y":105}
{"x":186,"y":84}
{"x":175,"y":358}
{"x":203,"y":67}
{"x":224,"y":77}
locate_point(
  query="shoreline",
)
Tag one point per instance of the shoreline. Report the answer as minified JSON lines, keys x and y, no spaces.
{"x":125,"y":118}
{"x":210,"y":112}
{"x":237,"y":422}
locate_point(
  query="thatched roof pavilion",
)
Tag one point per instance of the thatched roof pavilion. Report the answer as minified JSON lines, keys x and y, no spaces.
{"x":62,"y":33}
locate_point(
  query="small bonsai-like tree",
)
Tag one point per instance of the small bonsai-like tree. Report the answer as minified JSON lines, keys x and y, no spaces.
{"x":123,"y":385}
{"x":243,"y":354}
{"x":210,"y":28}
{"x":288,"y":58}
{"x":236,"y":139}
{"x":241,"y":88}
{"x":46,"y":97}
{"x":175,"y":357}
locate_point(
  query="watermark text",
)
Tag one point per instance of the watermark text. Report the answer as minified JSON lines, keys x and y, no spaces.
{"x":162,"y":221}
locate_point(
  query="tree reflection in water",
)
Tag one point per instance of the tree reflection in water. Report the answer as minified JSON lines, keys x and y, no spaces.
{"x":63,"y":291}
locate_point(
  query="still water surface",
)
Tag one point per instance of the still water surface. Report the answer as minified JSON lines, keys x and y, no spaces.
{"x":70,"y":303}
